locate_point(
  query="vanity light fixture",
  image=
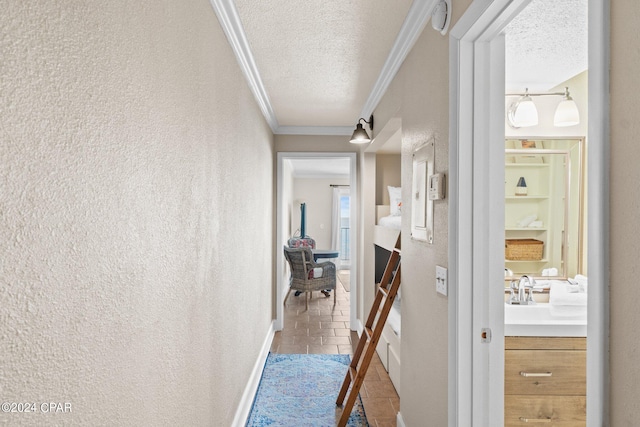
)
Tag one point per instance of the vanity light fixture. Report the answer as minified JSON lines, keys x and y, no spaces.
{"x":523,"y":112}
{"x":567,"y":111}
{"x":360,"y":136}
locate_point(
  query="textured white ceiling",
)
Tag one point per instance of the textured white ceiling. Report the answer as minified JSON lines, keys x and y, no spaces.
{"x":316,"y":66}
{"x":546,"y":44}
{"x":320,"y":167}
{"x":319,"y":59}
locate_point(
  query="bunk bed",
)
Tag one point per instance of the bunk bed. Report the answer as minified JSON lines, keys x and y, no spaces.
{"x":386,"y":231}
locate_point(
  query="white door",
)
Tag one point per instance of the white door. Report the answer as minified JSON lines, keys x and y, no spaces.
{"x":476,"y":214}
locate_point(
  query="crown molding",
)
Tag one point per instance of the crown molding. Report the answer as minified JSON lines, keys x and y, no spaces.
{"x":417,"y":18}
{"x":415,"y":21}
{"x":315,"y":130}
{"x":230,"y":21}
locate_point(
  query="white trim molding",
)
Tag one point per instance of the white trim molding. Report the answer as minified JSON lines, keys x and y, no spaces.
{"x":476,"y":119}
{"x":232,"y":26}
{"x":355,"y":197}
{"x":399,"y":420}
{"x":598,"y":218}
{"x":246,"y":401}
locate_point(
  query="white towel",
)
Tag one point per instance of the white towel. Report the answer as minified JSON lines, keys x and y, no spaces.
{"x":541,"y":285}
{"x":560,"y":295}
{"x":572,"y":289}
{"x":524,"y":222}
{"x":583,"y":282}
{"x":535,"y":224}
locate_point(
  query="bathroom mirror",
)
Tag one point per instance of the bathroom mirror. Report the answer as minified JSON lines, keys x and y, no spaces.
{"x":544,"y":207}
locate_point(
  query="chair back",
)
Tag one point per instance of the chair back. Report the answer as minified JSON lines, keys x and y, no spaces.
{"x":298,"y":258}
{"x":298,"y":242}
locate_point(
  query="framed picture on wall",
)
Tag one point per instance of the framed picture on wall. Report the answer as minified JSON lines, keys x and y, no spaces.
{"x":421,"y":206}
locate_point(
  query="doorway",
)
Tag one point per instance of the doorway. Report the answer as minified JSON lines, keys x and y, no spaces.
{"x":288,"y":220}
{"x":476,"y":314}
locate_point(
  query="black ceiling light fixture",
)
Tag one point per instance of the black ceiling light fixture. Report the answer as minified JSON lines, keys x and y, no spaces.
{"x":360,"y":136}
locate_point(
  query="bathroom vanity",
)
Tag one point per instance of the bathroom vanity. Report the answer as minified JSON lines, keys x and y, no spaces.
{"x":545,"y":381}
{"x":545,"y":376}
{"x":545,"y":366}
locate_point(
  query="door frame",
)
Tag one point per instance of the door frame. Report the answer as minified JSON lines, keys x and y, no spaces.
{"x":476,"y":370}
{"x":353,"y":238}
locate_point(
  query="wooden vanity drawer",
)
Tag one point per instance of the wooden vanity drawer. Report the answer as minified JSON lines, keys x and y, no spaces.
{"x":545,"y":372}
{"x":557,"y":411}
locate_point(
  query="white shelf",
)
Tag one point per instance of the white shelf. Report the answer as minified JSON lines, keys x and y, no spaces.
{"x":525,"y":229}
{"x":527,"y":165}
{"x":526,"y":197}
{"x":516,"y":260}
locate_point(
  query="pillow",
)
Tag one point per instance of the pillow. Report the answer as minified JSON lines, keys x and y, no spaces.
{"x":395,"y":200}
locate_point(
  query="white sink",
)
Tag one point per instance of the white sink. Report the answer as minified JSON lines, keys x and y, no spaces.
{"x":543,"y":320}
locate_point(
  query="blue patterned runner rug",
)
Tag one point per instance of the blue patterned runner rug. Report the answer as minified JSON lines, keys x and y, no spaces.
{"x":300,"y":390}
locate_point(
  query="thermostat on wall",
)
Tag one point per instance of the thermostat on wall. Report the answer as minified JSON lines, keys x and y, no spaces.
{"x":436,"y":186}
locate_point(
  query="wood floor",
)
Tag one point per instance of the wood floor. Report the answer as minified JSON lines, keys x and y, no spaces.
{"x":324,"y":329}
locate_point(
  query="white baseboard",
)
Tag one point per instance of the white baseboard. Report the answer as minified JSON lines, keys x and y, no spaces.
{"x":359,"y":327}
{"x":399,"y":420}
{"x":244,"y":407}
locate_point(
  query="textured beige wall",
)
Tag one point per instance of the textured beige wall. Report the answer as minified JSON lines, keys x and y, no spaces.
{"x":367,"y":221}
{"x":315,"y":143}
{"x":419,"y":95}
{"x":424,"y":363}
{"x":625,"y":208}
{"x":387,"y":174}
{"x":136,"y":187}
{"x":318,"y":195}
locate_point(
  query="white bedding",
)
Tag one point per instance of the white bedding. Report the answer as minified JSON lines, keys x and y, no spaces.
{"x":392,"y":221}
{"x":393,"y":320}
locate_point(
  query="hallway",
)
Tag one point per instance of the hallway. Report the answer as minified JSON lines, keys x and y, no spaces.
{"x":324,"y":329}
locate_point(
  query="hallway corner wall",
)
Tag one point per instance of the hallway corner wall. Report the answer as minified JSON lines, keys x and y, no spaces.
{"x":419,"y":96}
{"x":624,"y":336}
{"x":136,"y":214}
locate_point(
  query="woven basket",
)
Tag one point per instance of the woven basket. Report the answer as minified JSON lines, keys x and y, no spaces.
{"x":523,"y":249}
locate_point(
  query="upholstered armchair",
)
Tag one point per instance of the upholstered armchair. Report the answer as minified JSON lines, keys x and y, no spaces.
{"x":307,"y":275}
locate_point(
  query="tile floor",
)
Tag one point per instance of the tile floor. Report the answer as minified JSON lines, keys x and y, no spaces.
{"x":324,"y":328}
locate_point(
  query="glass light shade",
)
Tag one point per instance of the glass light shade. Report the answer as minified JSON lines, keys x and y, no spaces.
{"x":567,"y":113}
{"x":360,"y":136}
{"x":523,"y":113}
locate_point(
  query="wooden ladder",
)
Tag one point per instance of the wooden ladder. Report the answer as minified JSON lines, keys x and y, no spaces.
{"x":385,"y":295}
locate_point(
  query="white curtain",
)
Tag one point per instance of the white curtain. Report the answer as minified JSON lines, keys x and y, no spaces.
{"x":336,"y":227}
{"x":335,"y":220}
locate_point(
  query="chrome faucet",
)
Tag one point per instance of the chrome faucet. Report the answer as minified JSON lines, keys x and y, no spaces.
{"x":525,"y":282}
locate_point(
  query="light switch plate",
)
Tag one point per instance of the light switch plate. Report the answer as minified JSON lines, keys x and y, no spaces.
{"x":441,"y":280}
